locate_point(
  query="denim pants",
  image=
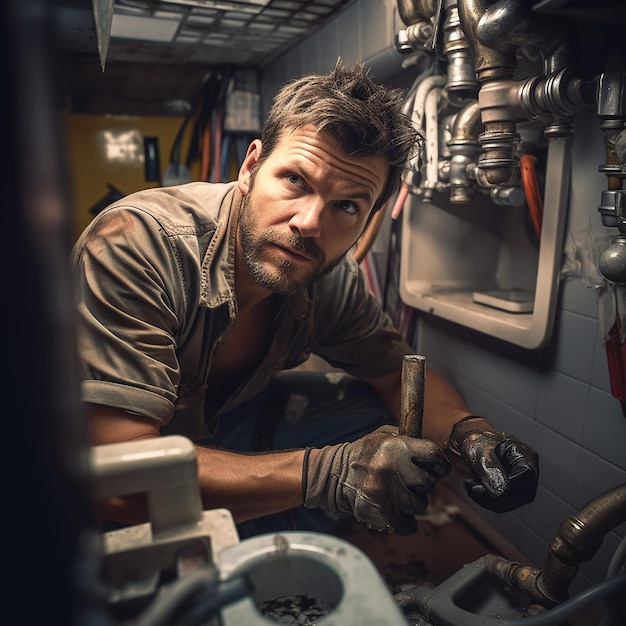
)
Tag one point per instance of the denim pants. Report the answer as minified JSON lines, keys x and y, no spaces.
{"x":296,"y":410}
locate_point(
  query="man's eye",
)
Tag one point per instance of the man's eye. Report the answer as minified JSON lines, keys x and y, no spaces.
{"x":294,"y":179}
{"x":349,"y":207}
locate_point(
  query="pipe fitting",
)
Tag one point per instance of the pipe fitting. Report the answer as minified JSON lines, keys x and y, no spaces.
{"x":504,"y":26}
{"x":611,"y":96}
{"x":464,"y":148}
{"x":507,"y":195}
{"x":498,"y":161}
{"x":613,"y":209}
{"x":559,"y":95}
{"x":555,"y":97}
{"x":462,"y":84}
{"x":414,"y":37}
{"x":611,"y":109}
{"x":494,"y":32}
{"x":412,"y":11}
{"x":499,"y":140}
{"x":461,"y":188}
{"x":552,"y":98}
{"x":522,"y":577}
{"x":578,"y":539}
{"x":612,"y":260}
{"x":509,"y":25}
{"x":500,"y":101}
{"x":489,"y":63}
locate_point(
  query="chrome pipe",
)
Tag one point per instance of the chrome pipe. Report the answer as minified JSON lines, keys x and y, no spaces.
{"x":494,"y":33}
{"x":462,"y":84}
{"x":464,"y":147}
{"x":499,"y":139}
{"x":611,"y":110}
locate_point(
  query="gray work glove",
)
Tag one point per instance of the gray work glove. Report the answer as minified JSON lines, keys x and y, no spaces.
{"x":382,"y":479}
{"x":504,"y":470}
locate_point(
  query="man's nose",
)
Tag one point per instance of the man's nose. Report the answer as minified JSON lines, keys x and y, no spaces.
{"x":307,"y":219}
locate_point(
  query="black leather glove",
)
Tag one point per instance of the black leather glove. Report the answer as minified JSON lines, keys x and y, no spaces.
{"x":504,"y":470}
{"x":382,"y":479}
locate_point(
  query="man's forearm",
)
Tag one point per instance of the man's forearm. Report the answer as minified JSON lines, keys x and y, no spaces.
{"x":443,"y":407}
{"x":250,"y":485}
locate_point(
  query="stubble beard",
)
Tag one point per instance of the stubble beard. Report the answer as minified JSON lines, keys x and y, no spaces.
{"x":281,"y":278}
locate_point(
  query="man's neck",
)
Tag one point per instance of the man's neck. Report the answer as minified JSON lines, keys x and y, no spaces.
{"x":248,"y":292}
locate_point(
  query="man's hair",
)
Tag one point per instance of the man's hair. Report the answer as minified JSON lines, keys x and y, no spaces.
{"x":364,"y":117}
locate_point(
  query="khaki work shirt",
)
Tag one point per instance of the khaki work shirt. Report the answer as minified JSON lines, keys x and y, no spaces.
{"x":154,"y":292}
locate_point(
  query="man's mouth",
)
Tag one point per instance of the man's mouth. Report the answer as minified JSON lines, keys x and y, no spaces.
{"x":299,"y":250}
{"x":295,"y":254}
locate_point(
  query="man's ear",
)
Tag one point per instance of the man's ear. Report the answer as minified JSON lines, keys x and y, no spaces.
{"x":253,"y":154}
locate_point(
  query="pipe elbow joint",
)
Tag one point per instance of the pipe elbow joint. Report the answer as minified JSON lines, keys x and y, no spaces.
{"x":498,"y":161}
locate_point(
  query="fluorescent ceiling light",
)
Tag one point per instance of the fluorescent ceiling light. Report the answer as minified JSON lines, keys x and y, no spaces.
{"x":144,"y":28}
{"x":249,"y":6}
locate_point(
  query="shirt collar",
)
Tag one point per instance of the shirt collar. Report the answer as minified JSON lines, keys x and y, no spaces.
{"x":218,"y":265}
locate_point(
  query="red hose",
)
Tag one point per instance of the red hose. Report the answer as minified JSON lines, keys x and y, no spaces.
{"x":400,"y":200}
{"x":531,"y":190}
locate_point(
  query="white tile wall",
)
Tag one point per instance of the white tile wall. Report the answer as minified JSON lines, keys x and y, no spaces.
{"x":561,"y":403}
{"x":575,"y":358}
{"x":557,"y":469}
{"x":557,"y":398}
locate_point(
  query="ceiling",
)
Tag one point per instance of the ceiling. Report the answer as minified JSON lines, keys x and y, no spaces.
{"x":160,"y":51}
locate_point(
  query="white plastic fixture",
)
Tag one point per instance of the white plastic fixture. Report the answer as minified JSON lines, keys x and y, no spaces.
{"x":450,"y":251}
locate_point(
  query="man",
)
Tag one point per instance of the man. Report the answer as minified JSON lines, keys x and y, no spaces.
{"x":193,"y":299}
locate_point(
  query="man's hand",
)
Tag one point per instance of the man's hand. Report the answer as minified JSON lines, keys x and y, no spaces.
{"x":504,"y":470}
{"x":382,"y":479}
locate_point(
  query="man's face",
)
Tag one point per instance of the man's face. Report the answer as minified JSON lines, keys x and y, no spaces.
{"x":304,"y":207}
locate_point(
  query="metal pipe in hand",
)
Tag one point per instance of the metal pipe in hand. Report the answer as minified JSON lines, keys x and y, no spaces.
{"x":412,"y":395}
